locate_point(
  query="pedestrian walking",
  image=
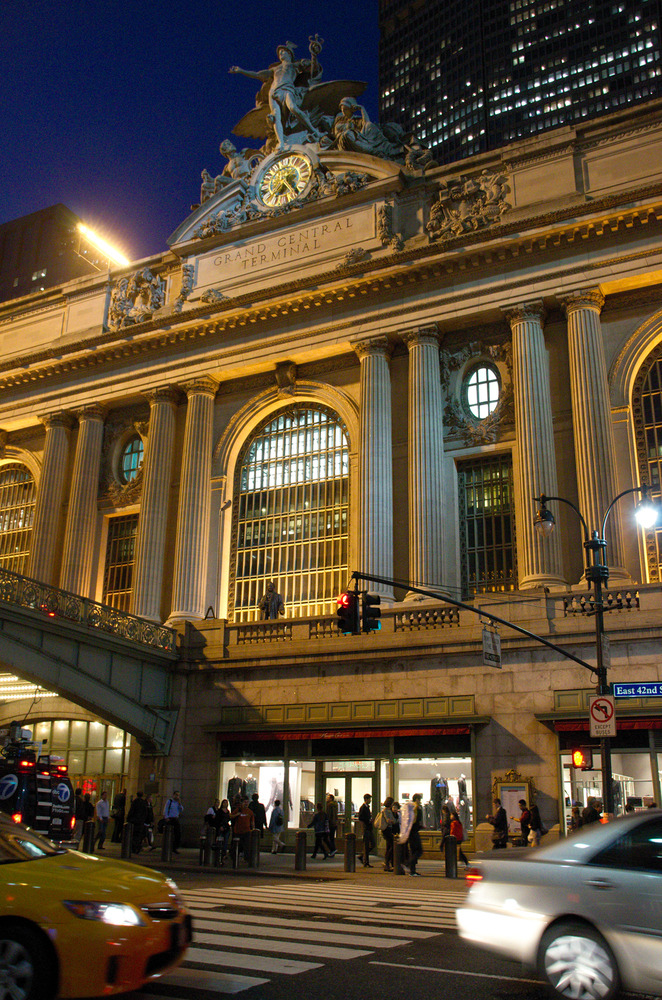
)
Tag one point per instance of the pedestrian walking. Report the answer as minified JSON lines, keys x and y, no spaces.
{"x":276,"y":821}
{"x":365,"y":817}
{"x":415,"y":844}
{"x":320,"y":825}
{"x":243,"y":821}
{"x":88,"y":813}
{"x":457,"y":831}
{"x":537,"y":829}
{"x":524,"y":820}
{"x":171,"y":813}
{"x":499,"y":821}
{"x":224,"y":828}
{"x":137,"y":816}
{"x":102,"y":811}
{"x":259,"y":812}
{"x":386,"y":828}
{"x":332,"y":816}
{"x":118,"y":813}
{"x":79,"y":815}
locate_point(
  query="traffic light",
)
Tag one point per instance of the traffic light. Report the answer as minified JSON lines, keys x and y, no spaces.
{"x":582,"y":758}
{"x":370,"y":613}
{"x":348,"y":613}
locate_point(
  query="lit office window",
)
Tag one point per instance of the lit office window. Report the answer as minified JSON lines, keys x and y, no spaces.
{"x":291,"y":518}
{"x":120,"y":554}
{"x":17,"y":502}
{"x":131,"y":458}
{"x":487,"y":525}
{"x":482,"y":389}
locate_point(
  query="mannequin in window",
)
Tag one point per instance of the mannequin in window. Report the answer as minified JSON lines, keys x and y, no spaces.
{"x":271,"y":605}
{"x":462,"y":786}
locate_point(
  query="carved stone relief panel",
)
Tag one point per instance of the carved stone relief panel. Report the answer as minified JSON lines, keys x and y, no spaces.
{"x":456,"y":365}
{"x":119,"y":428}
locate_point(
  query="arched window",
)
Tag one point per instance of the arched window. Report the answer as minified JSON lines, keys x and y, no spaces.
{"x":290,"y":519}
{"x":647,"y":413}
{"x":17,"y":500}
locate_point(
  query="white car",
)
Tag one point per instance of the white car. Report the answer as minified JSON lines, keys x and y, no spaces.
{"x":586,"y":912}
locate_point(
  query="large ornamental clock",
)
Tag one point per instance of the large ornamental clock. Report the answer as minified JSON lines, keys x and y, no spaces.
{"x":284,"y":180}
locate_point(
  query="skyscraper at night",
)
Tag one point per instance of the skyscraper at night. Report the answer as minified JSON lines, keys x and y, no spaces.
{"x":472,"y":75}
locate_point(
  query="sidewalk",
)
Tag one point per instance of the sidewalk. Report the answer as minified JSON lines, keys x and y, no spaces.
{"x":282,"y":866}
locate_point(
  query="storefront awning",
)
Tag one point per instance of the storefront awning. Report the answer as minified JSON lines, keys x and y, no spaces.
{"x":460,"y":729}
{"x":582,"y":725}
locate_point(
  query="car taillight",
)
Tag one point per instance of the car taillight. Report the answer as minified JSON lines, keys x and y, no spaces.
{"x":72,"y":822}
{"x":473,"y":875}
{"x":26,"y":763}
{"x":17,"y":817}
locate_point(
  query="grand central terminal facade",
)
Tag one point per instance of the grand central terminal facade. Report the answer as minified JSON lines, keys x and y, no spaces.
{"x":352,"y":360}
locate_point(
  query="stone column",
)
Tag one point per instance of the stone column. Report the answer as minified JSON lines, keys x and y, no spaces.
{"x":48,"y":508}
{"x":151,"y":538}
{"x":591,"y":421}
{"x":539,"y":558}
{"x":426,"y":449}
{"x":376,"y":466}
{"x":192,"y":537}
{"x":76,"y":572}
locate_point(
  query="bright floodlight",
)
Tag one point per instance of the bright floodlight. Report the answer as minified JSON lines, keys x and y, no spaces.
{"x":113,"y":255}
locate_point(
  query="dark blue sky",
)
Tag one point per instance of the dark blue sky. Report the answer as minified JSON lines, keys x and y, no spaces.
{"x":114,"y":107}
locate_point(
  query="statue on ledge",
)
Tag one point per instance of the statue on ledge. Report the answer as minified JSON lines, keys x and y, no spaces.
{"x":271,"y":606}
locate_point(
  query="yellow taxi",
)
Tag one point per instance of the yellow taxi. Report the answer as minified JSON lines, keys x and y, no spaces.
{"x":72,"y":925}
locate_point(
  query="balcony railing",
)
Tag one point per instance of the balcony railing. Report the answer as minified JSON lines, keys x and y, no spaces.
{"x":23,"y":592}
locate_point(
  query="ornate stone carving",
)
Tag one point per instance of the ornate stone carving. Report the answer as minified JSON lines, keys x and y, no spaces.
{"x":286,"y":378}
{"x":135,"y":299}
{"x":589,"y":298}
{"x":353,"y":256}
{"x":385,"y":228}
{"x":457,"y":422}
{"x":213,"y":295}
{"x":423,"y":335}
{"x":204,"y":384}
{"x":111,"y":491}
{"x":468,"y":204}
{"x":60,"y":418}
{"x":373,"y":345}
{"x":188,"y":272}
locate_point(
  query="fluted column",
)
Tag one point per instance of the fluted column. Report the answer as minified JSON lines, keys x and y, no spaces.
{"x":426,"y":449}
{"x":157,"y":467}
{"x":376,"y":465}
{"x":192,"y":537}
{"x":591,"y":420}
{"x":76,"y":572}
{"x":539,"y":558}
{"x":45,"y":530}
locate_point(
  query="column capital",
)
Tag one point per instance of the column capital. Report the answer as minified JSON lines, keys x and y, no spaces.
{"x":372,"y":346}
{"x":94,"y":411}
{"x":162,"y":394}
{"x":523,"y":311}
{"x":587,"y":298}
{"x":61,"y":418}
{"x":3,"y":442}
{"x":421,"y":335}
{"x":203,"y":385}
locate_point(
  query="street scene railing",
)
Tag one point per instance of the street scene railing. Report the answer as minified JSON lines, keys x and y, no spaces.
{"x":23,"y":592}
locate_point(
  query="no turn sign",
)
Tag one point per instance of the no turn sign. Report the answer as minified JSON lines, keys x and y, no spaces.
{"x":602,"y":715}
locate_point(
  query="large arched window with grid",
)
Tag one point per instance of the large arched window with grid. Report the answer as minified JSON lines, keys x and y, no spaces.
{"x":647,"y":413}
{"x":291,"y":513}
{"x":17,"y":501}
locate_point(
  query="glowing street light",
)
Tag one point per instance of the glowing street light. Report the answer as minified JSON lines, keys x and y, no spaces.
{"x":109,"y":252}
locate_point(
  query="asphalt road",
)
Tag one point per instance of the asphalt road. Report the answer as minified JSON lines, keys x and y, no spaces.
{"x":271,"y":938}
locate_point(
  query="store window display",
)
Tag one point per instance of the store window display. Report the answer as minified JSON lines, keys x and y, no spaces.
{"x":241,"y":779}
{"x":441,"y":783}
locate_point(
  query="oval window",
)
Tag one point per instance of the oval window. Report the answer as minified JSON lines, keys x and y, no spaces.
{"x":482,"y":387}
{"x":131,"y":458}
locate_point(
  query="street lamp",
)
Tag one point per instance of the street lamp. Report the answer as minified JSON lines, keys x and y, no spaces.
{"x":597,"y":573}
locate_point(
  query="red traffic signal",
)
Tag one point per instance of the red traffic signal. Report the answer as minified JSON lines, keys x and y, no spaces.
{"x":348,"y":613}
{"x":582,"y":758}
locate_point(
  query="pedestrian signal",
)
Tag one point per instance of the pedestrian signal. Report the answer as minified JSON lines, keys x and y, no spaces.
{"x":370,"y":613}
{"x":582,"y":758}
{"x":348,"y":613}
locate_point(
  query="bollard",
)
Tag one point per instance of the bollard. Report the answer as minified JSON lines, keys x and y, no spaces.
{"x":398,"y":852}
{"x":234,"y":852}
{"x":166,"y":846}
{"x":254,"y":849}
{"x":206,"y":843}
{"x":89,"y":836}
{"x":217,"y":851}
{"x":350,"y":852}
{"x":300,"y":852}
{"x":127,"y":841}
{"x":450,"y":856}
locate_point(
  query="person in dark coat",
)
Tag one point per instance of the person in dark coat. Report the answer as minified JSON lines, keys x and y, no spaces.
{"x":499,"y":821}
{"x":138,"y":812}
{"x":259,"y":812}
{"x":590,"y":814}
{"x":118,"y":813}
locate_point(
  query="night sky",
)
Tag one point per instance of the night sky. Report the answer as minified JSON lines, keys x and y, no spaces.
{"x":113,"y":108}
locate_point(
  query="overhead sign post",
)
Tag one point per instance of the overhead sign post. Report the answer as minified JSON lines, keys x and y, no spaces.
{"x":491,"y":648}
{"x":602,"y":716}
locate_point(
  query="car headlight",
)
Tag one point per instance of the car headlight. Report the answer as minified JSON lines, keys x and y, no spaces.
{"x":117,"y":914}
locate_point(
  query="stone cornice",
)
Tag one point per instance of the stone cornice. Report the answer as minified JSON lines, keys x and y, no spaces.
{"x":432,"y":260}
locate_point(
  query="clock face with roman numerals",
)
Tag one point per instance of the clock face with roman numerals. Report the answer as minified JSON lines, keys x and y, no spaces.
{"x":284,"y":180}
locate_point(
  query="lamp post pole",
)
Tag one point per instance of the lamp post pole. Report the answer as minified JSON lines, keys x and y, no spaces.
{"x":597,"y":573}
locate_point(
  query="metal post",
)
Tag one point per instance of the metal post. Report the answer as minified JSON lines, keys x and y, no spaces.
{"x":350,"y":852}
{"x":166,"y":846}
{"x":127,"y":840}
{"x":450,"y":856}
{"x":300,"y":852}
{"x":234,"y":852}
{"x":254,"y":849}
{"x":207,"y":844}
{"x":89,"y":837}
{"x":596,"y":573}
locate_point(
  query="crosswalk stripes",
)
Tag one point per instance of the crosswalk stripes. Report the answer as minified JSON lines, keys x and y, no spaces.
{"x":293,"y":928}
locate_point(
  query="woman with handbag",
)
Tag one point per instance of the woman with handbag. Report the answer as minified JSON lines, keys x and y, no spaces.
{"x":276,"y":827}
